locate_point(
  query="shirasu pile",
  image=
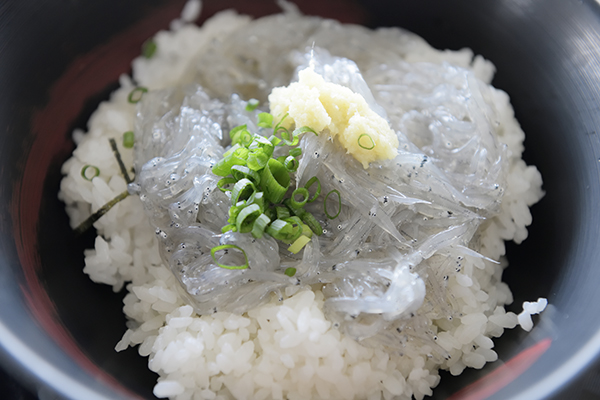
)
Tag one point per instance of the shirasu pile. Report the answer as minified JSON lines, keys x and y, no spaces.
{"x":401,"y":220}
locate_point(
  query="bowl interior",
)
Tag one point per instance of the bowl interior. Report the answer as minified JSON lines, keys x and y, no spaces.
{"x":547,"y":61}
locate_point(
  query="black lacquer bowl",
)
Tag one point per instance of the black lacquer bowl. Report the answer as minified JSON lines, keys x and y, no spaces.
{"x":58,"y":59}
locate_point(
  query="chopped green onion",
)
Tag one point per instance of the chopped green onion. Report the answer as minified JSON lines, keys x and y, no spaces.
{"x":290,"y":163}
{"x":290,"y":139}
{"x":271,"y":213}
{"x":299,"y":192}
{"x":261,"y":143}
{"x":241,"y":172}
{"x":265,"y":120}
{"x":279,"y":124}
{"x":226,"y":247}
{"x":311,"y":182}
{"x":242,"y":190}
{"x":369,"y":146}
{"x":275,"y":181}
{"x":275,"y":140}
{"x":245,"y":138}
{"x":287,"y":230}
{"x":149,"y":48}
{"x":305,"y":216}
{"x":240,"y":134}
{"x":136,"y":94}
{"x":339,"y":204}
{"x":259,"y":199}
{"x":224,"y":182}
{"x":245,"y":219}
{"x":304,"y":129}
{"x":298,"y":245}
{"x":312,"y":223}
{"x":237,"y":129}
{"x":86,"y":176}
{"x":231,"y":150}
{"x":257,"y":160}
{"x":229,"y":227}
{"x":295,"y":152}
{"x":291,"y":271}
{"x":223,"y":166}
{"x":306,"y":231}
{"x":234,"y":211}
{"x":128,"y":139}
{"x":252,"y":104}
{"x":282,"y":212}
{"x":259,"y":226}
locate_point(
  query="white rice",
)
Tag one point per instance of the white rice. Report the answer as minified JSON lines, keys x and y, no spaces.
{"x":284,"y":349}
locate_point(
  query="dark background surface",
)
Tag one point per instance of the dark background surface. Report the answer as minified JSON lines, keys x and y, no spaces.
{"x":533,"y":111}
{"x":587,"y":387}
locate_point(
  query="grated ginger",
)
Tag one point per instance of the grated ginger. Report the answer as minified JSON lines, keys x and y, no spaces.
{"x":321,"y":105}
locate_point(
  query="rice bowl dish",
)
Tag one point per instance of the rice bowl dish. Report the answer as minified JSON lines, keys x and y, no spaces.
{"x":460,"y":148}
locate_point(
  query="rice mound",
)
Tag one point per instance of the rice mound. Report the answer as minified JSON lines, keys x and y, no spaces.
{"x":285,"y":349}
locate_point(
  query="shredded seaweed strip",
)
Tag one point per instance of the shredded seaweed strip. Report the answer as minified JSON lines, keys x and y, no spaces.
{"x":87,"y":224}
{"x":115,"y":149}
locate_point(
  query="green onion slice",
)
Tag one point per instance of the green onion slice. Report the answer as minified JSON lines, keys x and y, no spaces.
{"x":241,"y":172}
{"x":291,"y":271}
{"x":290,"y":139}
{"x":282,"y":212}
{"x":265,"y":120}
{"x":275,"y":181}
{"x":128,"y":139}
{"x":306,"y":231}
{"x":235,"y":210}
{"x":297,"y":246}
{"x":136,"y":94}
{"x":223,"y":183}
{"x":368,"y":143}
{"x":229,"y":227}
{"x":287,"y":230}
{"x":245,"y":219}
{"x":242,"y":190}
{"x":252,"y":104}
{"x":334,"y":191}
{"x":149,"y":48}
{"x":274,"y":140}
{"x":271,"y":213}
{"x":223,"y":166}
{"x":259,"y":199}
{"x":227,"y":247}
{"x":312,"y":223}
{"x":295,"y":152}
{"x":290,"y":163}
{"x":304,"y":129}
{"x":260,"y":224}
{"x":85,"y":175}
{"x":240,"y":135}
{"x":311,"y":182}
{"x":261,"y":143}
{"x":257,"y":160}
{"x":303,"y":192}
